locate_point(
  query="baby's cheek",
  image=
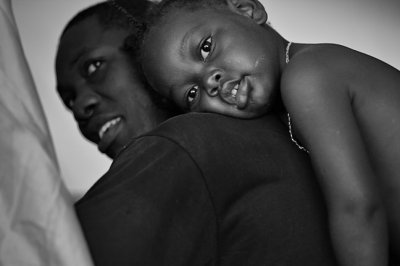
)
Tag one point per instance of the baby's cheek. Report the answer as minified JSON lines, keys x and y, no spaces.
{"x":260,"y":105}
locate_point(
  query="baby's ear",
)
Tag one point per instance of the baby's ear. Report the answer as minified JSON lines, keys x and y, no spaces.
{"x":250,"y":8}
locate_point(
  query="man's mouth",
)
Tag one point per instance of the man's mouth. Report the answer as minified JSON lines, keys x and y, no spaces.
{"x":107,"y":126}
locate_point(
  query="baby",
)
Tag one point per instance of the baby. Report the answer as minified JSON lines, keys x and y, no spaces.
{"x":221,"y":56}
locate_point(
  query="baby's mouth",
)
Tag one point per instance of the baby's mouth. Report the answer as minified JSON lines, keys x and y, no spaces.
{"x":235,"y":90}
{"x":239,"y":94}
{"x":236,"y":93}
{"x":229,"y":92}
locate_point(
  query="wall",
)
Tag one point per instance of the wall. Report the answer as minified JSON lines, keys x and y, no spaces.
{"x":40,"y":23}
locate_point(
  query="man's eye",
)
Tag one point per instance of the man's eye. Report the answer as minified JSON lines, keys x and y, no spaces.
{"x":92,"y":67}
{"x":70,"y":103}
{"x":205,"y":48}
{"x":192,"y":95}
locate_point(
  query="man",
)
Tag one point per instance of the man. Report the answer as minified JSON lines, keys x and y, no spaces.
{"x":99,"y":81}
{"x":193,"y":191}
{"x":196,"y":192}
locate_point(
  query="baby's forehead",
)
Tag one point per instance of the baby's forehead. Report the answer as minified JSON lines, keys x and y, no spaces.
{"x":178,"y":17}
{"x":178,"y":30}
{"x":172,"y":10}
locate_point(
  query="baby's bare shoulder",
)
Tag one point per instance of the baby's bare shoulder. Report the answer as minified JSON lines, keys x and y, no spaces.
{"x":332,"y":66}
{"x":321,"y":59}
{"x":315,"y":68}
{"x":318,"y":73}
{"x":327,"y":61}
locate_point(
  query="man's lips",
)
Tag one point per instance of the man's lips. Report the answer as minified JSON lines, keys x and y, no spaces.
{"x":108,"y":133}
{"x":108,"y":125}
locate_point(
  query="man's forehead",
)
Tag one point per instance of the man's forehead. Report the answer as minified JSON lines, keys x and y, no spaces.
{"x":88,"y":30}
{"x":82,"y":39}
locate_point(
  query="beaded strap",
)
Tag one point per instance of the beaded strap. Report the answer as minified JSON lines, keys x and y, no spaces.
{"x":288,"y":116}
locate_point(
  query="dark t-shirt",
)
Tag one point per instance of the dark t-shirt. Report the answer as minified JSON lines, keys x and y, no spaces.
{"x":205,"y":189}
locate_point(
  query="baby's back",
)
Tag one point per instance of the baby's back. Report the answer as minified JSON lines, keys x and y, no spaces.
{"x":373,"y":88}
{"x":376,"y":104}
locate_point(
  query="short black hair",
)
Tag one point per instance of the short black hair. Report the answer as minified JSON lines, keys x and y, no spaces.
{"x":157,"y":12}
{"x":123,"y":14}
{"x":192,"y":4}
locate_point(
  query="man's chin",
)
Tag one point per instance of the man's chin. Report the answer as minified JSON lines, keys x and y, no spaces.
{"x":111,"y":152}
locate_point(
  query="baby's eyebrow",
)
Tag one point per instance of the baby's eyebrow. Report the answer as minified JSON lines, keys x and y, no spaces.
{"x":185,"y":40}
{"x":170,"y":90}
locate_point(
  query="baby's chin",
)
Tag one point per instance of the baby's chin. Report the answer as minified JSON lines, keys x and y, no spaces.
{"x":251,"y":115}
{"x":249,"y":112}
{"x":254,"y":110}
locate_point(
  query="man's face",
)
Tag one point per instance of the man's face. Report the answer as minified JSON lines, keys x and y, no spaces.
{"x":213,"y":61}
{"x":98,"y":83}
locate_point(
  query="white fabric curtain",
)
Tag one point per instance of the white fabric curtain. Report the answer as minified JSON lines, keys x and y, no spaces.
{"x":38,"y":225}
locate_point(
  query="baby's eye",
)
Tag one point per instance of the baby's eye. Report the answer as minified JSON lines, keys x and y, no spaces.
{"x":205,"y":48}
{"x":192,"y":95}
{"x":92,"y":67}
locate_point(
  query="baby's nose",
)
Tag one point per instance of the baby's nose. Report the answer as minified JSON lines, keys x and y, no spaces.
{"x":213,"y":82}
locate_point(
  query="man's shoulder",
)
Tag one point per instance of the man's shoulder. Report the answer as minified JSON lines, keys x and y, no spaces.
{"x":217,"y":143}
{"x":193,"y":127}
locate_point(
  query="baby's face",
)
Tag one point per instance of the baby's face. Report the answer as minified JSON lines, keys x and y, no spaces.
{"x":213,"y":61}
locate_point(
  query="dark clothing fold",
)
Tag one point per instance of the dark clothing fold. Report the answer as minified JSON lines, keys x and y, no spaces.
{"x":206,"y":189}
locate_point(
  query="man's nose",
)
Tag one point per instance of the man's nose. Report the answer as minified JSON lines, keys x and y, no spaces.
{"x":85,"y":104}
{"x":212,"y":82}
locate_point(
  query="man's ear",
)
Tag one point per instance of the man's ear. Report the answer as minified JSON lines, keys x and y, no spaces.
{"x":250,"y":8}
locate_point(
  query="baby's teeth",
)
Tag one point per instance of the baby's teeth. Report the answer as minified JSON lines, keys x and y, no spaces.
{"x":234,"y":90}
{"x":107,"y":125}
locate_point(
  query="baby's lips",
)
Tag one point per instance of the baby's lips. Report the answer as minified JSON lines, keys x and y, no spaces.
{"x":226,"y":92}
{"x":242,"y":95}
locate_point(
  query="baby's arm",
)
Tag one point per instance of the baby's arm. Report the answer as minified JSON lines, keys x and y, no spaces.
{"x":324,"y":119}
